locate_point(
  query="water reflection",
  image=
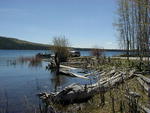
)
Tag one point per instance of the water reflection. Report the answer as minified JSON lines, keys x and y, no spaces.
{"x":30,"y":61}
{"x":58,"y":81}
{"x":26,"y":76}
{"x":33,"y":61}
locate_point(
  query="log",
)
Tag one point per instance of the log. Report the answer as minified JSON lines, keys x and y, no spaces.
{"x":145,"y":86}
{"x":71,"y":71}
{"x":145,"y":109}
{"x":67,"y":67}
{"x":145,"y":79}
{"x":103,"y":73}
{"x":72,"y":94}
{"x":80,"y":93}
{"x":95,"y":73}
{"x":133,"y":94}
{"x":72,"y":74}
{"x":136,"y":95}
{"x":112,"y":72}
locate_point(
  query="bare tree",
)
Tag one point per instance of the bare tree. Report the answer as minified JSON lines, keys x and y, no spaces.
{"x":60,"y":48}
{"x":133,"y":26}
{"x":97,"y":52}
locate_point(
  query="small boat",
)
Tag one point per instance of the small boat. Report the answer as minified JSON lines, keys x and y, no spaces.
{"x":43,"y":55}
{"x":74,"y":53}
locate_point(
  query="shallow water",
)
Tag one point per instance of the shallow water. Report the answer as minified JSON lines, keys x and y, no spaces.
{"x":20,"y":81}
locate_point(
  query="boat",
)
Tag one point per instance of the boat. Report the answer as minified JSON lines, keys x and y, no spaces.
{"x":43,"y":55}
{"x":74,"y":53}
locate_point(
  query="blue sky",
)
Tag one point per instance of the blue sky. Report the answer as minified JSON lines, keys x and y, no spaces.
{"x":85,"y":23}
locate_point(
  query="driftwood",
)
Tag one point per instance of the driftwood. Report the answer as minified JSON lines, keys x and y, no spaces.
{"x":80,"y":93}
{"x":67,"y":67}
{"x":145,"y":79}
{"x":135,"y":95}
{"x":143,"y":84}
{"x":145,"y":109}
{"x":72,"y":74}
{"x":71,"y":71}
{"x":112,"y":72}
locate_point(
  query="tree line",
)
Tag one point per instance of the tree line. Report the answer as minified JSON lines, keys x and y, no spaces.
{"x":133,"y":26}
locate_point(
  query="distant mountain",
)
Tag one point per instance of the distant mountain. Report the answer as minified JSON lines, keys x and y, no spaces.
{"x":13,"y":43}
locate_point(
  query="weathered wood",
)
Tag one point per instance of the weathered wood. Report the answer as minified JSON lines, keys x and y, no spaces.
{"x":72,"y":94}
{"x":72,"y":74}
{"x":136,"y":95}
{"x":145,"y":79}
{"x":67,"y":70}
{"x":103,"y":73}
{"x":112,"y":72}
{"x":133,"y":94}
{"x":145,"y":86}
{"x":77,"y":93}
{"x":145,"y":109}
{"x":144,"y":82}
{"x":67,"y":67}
{"x":95,"y":73}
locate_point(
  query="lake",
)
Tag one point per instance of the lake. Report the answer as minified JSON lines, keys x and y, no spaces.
{"x":20,"y":82}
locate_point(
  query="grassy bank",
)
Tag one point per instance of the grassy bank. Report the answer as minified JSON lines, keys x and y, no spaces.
{"x":115,"y":100}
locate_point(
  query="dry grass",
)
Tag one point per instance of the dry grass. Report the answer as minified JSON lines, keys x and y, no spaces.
{"x":118,"y":93}
{"x":93,"y":105}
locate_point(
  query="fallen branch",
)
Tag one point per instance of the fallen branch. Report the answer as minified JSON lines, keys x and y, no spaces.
{"x":145,"y":79}
{"x":72,"y":74}
{"x":80,"y":93}
{"x":143,"y":84}
{"x":135,"y":96}
{"x":145,"y":109}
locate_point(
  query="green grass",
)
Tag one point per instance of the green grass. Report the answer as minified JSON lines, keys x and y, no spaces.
{"x":93,"y":105}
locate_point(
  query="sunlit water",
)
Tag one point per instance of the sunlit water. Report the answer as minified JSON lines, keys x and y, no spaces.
{"x":20,"y":82}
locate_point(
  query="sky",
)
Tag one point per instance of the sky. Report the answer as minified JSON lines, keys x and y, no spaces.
{"x":85,"y":23}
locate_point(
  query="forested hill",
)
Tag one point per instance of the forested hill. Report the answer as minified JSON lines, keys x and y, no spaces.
{"x":13,"y":43}
{"x":16,"y":44}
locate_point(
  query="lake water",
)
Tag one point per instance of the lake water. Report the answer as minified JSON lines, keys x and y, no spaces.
{"x":20,"y":82}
